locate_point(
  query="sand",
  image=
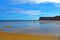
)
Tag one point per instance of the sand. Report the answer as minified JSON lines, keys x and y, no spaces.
{"x":15,"y":36}
{"x":7,"y":26}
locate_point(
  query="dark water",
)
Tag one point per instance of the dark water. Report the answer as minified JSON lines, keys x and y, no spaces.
{"x":32,"y":27}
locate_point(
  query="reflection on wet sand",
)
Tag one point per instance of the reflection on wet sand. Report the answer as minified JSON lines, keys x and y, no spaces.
{"x":45,"y":22}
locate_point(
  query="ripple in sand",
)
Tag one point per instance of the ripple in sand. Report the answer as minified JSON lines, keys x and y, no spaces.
{"x":8,"y":26}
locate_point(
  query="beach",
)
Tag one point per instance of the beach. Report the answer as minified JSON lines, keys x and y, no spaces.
{"x":15,"y":36}
{"x":30,"y":30}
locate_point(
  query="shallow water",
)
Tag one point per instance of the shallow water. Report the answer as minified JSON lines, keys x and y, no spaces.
{"x":32,"y":27}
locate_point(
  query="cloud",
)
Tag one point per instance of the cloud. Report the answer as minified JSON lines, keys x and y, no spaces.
{"x":33,"y":12}
{"x":28,"y":12}
{"x":32,"y":1}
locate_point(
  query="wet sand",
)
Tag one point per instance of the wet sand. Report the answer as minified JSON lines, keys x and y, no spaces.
{"x":15,"y":36}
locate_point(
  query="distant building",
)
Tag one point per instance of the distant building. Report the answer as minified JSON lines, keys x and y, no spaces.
{"x":50,"y":18}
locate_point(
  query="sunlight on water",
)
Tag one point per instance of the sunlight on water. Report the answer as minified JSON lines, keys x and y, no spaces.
{"x":32,"y":27}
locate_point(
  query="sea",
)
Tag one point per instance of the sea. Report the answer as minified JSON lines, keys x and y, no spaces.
{"x":34,"y":27}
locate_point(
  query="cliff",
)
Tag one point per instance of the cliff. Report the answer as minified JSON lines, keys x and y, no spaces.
{"x":50,"y":18}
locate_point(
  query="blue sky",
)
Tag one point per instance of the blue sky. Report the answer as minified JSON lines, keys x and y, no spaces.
{"x":28,"y":9}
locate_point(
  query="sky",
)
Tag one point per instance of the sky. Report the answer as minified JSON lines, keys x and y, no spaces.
{"x":28,"y":9}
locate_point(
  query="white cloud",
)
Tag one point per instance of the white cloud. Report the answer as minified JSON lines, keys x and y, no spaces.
{"x":28,"y":12}
{"x":32,"y":1}
{"x":32,"y":12}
